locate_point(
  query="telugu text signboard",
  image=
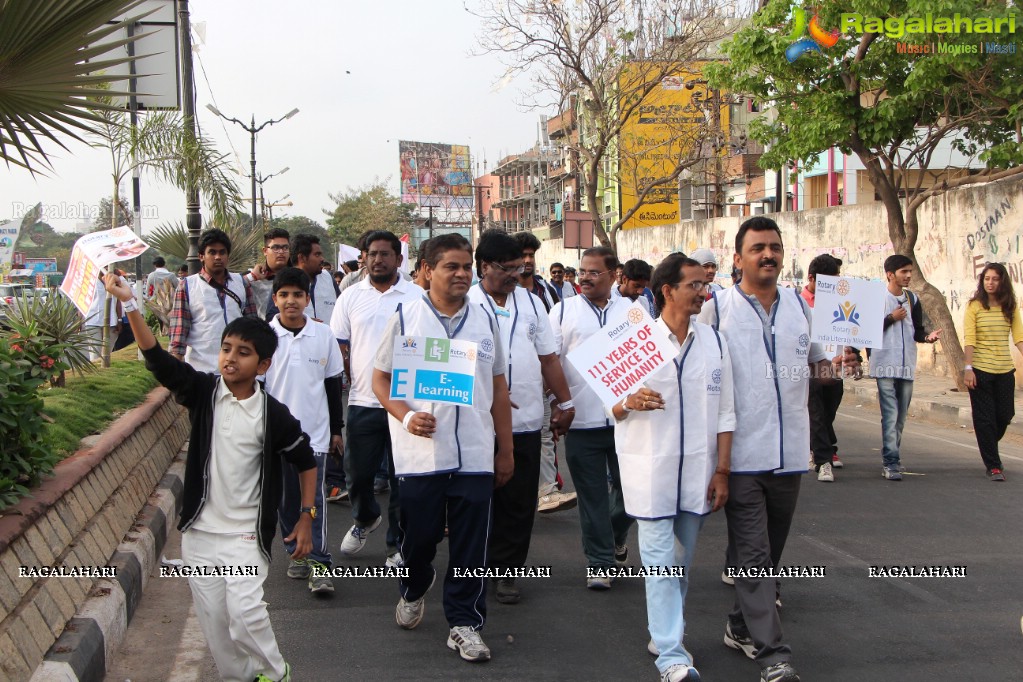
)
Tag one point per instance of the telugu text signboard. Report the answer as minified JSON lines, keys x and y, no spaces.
{"x":848,"y":310}
{"x":433,"y":369}
{"x":628,"y":349}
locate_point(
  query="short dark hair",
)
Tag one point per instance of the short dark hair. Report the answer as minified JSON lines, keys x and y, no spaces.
{"x":360,"y":243}
{"x":610,"y":259}
{"x":754,"y":224}
{"x":352,"y":265}
{"x":383,"y":236}
{"x":275,"y":233}
{"x":556,"y":264}
{"x":214,"y":236}
{"x":254,"y":330}
{"x":896,"y":262}
{"x":824,"y":264}
{"x":441,"y":244}
{"x":159,"y":262}
{"x":183,"y":266}
{"x":527,"y":240}
{"x":302,"y":245}
{"x":495,"y":246}
{"x":669,"y":271}
{"x":292,"y":277}
{"x":636,"y":269}
{"x":421,"y":253}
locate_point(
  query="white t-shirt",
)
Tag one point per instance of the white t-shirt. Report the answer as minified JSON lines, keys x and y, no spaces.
{"x":301,"y":363}
{"x":232,"y":498}
{"x":359,"y":320}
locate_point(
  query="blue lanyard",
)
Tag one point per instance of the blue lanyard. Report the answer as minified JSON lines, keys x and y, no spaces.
{"x":515,"y":321}
{"x":601,"y":314}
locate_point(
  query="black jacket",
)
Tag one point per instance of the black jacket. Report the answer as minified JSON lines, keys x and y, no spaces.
{"x":282,"y":439}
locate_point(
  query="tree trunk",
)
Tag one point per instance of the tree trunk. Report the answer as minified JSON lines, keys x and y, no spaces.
{"x":590,"y":182}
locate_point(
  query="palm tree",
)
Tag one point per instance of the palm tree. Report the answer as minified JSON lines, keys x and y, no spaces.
{"x":51,"y":60}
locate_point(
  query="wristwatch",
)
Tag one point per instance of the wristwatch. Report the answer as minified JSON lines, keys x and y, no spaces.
{"x":311,"y":511}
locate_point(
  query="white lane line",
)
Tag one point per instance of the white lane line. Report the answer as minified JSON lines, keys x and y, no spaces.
{"x":192,"y":651}
{"x":918,"y":432}
{"x":905,"y":586}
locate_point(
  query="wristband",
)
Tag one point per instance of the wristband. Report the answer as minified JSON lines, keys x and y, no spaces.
{"x":551,"y":398}
{"x":968,"y":368}
{"x":567,"y":405}
{"x":625,"y":406}
{"x":129,"y":306}
{"x":407,"y":419}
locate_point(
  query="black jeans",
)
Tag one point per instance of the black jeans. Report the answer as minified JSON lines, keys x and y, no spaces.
{"x":515,"y":506}
{"x":823,"y":403}
{"x":993,"y":409}
{"x":367,"y":441}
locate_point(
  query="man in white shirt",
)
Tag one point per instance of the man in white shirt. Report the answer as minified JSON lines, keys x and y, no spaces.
{"x":358,"y":320}
{"x":767,"y":331}
{"x":276,"y":254}
{"x":636,"y":275}
{"x":564,"y":289}
{"x":532,"y":360}
{"x":307,"y":254}
{"x":93,"y":322}
{"x":157,"y":276}
{"x":709,"y":261}
{"x":590,"y":443}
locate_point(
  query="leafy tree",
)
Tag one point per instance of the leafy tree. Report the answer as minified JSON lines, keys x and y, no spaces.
{"x":892,"y":110}
{"x":42,"y":241}
{"x":372,"y":207}
{"x":104,"y":220}
{"x":613,"y":56}
{"x":45,"y":72}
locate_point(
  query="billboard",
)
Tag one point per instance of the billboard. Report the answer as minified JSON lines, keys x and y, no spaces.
{"x":434,"y":174}
{"x":665,"y":127}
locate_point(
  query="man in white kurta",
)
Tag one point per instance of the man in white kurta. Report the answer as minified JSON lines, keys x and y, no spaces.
{"x":674,"y":439}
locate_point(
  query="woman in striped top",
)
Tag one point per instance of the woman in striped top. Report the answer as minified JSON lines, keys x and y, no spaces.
{"x":991,"y":314}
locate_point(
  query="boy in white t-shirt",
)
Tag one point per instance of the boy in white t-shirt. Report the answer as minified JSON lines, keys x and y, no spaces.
{"x":239,"y":439}
{"x":306,"y":377}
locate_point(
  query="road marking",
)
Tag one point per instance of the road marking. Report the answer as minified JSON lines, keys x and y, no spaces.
{"x":905,"y":586}
{"x":918,"y":432}
{"x":191,"y":651}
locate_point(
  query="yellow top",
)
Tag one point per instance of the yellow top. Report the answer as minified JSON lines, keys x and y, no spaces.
{"x":988,"y":332}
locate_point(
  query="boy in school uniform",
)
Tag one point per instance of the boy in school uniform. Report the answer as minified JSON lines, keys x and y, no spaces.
{"x":306,"y":376}
{"x":233,"y":485}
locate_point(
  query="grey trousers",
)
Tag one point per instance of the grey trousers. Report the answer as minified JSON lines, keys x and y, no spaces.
{"x":759,"y":512}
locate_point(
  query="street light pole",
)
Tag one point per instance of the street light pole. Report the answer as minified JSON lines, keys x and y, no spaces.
{"x":262,"y":179}
{"x":252,"y":129}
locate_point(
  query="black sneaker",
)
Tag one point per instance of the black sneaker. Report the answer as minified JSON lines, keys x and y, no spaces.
{"x":779,"y":672}
{"x":621,"y":554}
{"x":507,"y":592}
{"x":739,"y":640}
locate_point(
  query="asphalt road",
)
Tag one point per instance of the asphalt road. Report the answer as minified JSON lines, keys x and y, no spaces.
{"x":844,"y":626}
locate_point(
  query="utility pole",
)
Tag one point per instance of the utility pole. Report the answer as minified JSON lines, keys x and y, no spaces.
{"x":193,"y":219}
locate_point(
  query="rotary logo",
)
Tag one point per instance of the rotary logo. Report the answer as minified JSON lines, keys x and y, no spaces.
{"x":715,"y":376}
{"x":471,"y":354}
{"x":804,"y":340}
{"x":635,"y":315}
{"x":487,"y":345}
{"x":842,"y":287}
{"x":532,"y":330}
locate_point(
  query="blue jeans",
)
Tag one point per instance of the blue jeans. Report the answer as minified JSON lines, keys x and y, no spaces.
{"x":894,"y":396}
{"x":288,"y":513}
{"x":666,"y":595}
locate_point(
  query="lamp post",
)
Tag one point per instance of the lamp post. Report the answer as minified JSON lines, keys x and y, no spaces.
{"x":263,"y":178}
{"x":252,"y":129}
{"x":279,"y":202}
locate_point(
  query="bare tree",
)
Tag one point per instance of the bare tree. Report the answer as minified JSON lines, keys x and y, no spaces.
{"x":615,"y":58}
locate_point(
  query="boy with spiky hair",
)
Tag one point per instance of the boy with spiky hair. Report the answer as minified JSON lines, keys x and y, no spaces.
{"x":239,"y":439}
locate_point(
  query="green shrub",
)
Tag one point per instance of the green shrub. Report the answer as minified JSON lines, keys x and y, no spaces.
{"x":26,"y":363}
{"x":54,"y":321}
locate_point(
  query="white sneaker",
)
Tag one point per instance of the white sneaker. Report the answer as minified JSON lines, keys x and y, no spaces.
{"x":600,"y":582}
{"x":355,"y":538}
{"x":408,"y":614}
{"x":468,"y":643}
{"x":395,"y":560}
{"x":825,"y":473}
{"x":680,"y":673}
{"x":727,"y":579}
{"x":556,"y":501}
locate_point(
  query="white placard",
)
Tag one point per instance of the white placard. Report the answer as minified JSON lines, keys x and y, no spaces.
{"x":628,"y":349}
{"x":435,"y":370}
{"x":90,"y":255}
{"x":848,"y":310}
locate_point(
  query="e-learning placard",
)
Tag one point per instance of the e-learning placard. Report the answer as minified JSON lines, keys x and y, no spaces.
{"x":434,"y":369}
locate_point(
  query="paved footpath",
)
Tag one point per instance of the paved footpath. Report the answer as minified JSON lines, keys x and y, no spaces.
{"x":845,"y":626}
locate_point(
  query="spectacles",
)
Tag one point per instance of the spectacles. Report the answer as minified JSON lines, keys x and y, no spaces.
{"x":518,"y":271}
{"x":593,"y":273}
{"x":695,"y":285}
{"x":279,"y":247}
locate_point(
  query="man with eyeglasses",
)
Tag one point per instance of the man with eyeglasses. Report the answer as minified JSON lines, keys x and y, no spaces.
{"x":532,"y":361}
{"x":276,"y":249}
{"x":564,"y":289}
{"x":590,"y":443}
